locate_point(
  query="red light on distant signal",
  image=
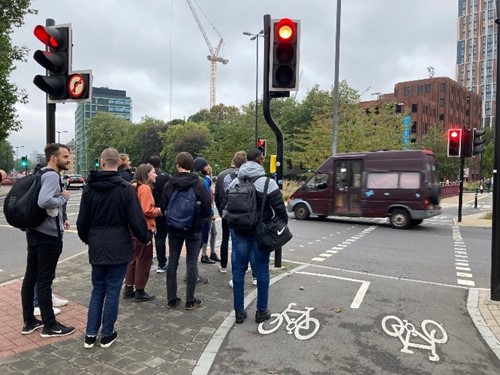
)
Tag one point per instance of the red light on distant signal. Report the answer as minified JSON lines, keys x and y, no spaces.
{"x":45,"y":37}
{"x":286,"y":29}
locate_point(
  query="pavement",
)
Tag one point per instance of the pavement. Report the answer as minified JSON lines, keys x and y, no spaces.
{"x":153,"y":339}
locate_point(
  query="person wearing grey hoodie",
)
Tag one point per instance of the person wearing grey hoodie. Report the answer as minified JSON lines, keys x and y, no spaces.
{"x":245,"y":242}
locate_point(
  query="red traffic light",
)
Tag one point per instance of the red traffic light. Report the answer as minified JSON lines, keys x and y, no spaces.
{"x":285,"y":29}
{"x":454,"y":133}
{"x":51,"y":37}
{"x":454,"y":142}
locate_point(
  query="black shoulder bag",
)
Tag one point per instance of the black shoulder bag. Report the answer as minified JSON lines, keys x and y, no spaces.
{"x":273,"y":234}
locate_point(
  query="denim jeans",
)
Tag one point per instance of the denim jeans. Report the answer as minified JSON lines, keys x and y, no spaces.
{"x":43,"y":254}
{"x":107,"y":281}
{"x":243,"y":249}
{"x":176,"y":239}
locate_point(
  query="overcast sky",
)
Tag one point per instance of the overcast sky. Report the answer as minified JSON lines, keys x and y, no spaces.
{"x":138,"y":46}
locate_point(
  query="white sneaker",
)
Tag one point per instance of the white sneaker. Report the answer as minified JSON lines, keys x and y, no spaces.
{"x":222,"y":269}
{"x":58,"y":302}
{"x":231,"y":283}
{"x":38,"y":313}
{"x":254,"y":281}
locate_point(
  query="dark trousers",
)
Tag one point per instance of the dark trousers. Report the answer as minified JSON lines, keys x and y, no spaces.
{"x":224,"y":245}
{"x":140,"y":265}
{"x":161,"y":241}
{"x":43,"y":255}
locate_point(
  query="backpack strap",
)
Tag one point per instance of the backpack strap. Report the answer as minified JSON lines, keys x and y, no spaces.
{"x":266,"y":186}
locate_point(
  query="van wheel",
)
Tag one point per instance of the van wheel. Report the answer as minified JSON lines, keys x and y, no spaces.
{"x":301,"y":211}
{"x":400,"y":219}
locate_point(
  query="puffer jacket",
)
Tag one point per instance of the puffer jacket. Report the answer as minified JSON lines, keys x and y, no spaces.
{"x":109,"y":211}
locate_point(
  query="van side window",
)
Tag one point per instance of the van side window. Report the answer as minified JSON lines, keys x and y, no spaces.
{"x":317,"y":182}
{"x":409,"y":180}
{"x":393,"y":180}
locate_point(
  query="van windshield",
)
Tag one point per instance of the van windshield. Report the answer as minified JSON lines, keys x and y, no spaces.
{"x":318,"y":181}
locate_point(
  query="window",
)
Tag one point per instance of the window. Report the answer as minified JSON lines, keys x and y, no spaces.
{"x":317,"y":182}
{"x":420,"y":89}
{"x":382,"y":181}
{"x":414,"y":108}
{"x":441,"y":117}
{"x":441,"y":102}
{"x":428,"y":88}
{"x":442,"y":87}
{"x":409,"y":180}
{"x":407,"y":91}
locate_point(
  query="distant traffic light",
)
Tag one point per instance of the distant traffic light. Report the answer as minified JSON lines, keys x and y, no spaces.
{"x":56,"y":59}
{"x":477,"y":141}
{"x":24,"y":161}
{"x":454,"y":142}
{"x":284,"y":55}
{"x":262,"y":145}
{"x":96,"y":163}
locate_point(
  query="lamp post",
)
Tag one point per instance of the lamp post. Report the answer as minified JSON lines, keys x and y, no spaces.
{"x":256,"y":38}
{"x":59,"y":135}
{"x":17,"y":157}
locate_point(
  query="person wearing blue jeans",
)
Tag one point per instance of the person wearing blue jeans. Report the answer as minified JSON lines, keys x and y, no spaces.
{"x":245,"y":242}
{"x":109,"y":212}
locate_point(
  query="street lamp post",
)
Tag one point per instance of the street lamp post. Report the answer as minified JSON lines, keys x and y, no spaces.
{"x":17,"y":157}
{"x":256,"y":38}
{"x":59,"y":135}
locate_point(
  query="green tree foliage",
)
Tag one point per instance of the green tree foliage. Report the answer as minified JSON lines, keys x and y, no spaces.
{"x":105,"y":130}
{"x":145,"y":139}
{"x":11,"y":16}
{"x":7,"y":162}
{"x":487,"y":156}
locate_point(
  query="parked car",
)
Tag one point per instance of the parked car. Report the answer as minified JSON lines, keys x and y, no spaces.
{"x":75,"y":181}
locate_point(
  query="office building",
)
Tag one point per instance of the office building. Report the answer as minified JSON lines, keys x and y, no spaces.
{"x":476,"y":53}
{"x":103,"y":100}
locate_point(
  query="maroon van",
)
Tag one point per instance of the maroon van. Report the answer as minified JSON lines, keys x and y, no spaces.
{"x":400,"y":185}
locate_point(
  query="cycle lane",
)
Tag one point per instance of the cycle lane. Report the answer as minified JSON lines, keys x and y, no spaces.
{"x":350,"y":308}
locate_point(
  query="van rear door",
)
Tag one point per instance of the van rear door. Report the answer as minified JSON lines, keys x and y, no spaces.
{"x":347,"y":187}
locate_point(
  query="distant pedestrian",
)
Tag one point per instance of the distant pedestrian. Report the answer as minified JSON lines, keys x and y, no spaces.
{"x":45,"y":243}
{"x":124,"y":169}
{"x":140,"y":265}
{"x":245,"y":243}
{"x":109,"y":211}
{"x":161,"y":223}
{"x":184,"y":229}
{"x":239,"y":158}
{"x":488,"y":184}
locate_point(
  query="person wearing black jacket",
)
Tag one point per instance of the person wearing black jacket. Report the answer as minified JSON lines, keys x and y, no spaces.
{"x":109,"y":211}
{"x":245,"y":243}
{"x":184,"y":180}
{"x":161,"y":223}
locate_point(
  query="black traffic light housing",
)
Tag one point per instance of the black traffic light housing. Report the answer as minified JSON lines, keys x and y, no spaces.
{"x":454,"y":143}
{"x":477,"y":143}
{"x":56,"y":59}
{"x":284,"y":55}
{"x":262,"y":146}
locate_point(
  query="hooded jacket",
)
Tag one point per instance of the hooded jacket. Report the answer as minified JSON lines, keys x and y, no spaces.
{"x":109,"y":211}
{"x":274,"y":207}
{"x":183,"y":181}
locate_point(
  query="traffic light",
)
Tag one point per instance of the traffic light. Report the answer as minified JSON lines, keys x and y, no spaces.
{"x":24,"y":161}
{"x":477,"y":141}
{"x":96,"y":163}
{"x":284,"y":55}
{"x":454,"y":142}
{"x":56,"y":59}
{"x":262,"y":145}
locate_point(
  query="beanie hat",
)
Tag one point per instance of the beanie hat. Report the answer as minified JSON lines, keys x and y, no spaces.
{"x":199,"y":163}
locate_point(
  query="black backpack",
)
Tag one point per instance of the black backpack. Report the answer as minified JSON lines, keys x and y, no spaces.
{"x":20,"y":207}
{"x":241,"y":211}
{"x":182,"y":209}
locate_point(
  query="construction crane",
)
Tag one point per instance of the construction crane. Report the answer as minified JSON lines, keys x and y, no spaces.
{"x":214,"y":57}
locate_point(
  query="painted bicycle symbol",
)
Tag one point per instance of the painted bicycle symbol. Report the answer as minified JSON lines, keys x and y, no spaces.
{"x":303,"y":326}
{"x":433,"y":333}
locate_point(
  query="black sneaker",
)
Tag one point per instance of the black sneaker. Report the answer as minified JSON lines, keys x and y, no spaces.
{"x":193,"y":304}
{"x":202,"y":280}
{"x":107,"y":341}
{"x":206,"y":259}
{"x":142,"y":296}
{"x":262,"y":316}
{"x":31,"y":327}
{"x":214,"y":257}
{"x":57,"y":330}
{"x":173,"y":303}
{"x":240,"y":316}
{"x":89,"y":342}
{"x":128,"y":292}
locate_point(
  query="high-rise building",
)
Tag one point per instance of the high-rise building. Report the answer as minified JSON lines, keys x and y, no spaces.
{"x":107,"y":100}
{"x":476,"y":53}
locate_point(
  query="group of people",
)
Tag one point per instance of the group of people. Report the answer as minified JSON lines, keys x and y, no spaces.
{"x":119,"y":220}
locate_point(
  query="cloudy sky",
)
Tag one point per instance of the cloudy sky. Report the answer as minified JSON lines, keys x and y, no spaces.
{"x":155,"y":51}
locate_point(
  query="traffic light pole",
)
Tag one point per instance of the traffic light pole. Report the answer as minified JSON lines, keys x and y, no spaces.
{"x":267,"y":96}
{"x":495,"y":250}
{"x":461,"y":178}
{"x":50,"y":108}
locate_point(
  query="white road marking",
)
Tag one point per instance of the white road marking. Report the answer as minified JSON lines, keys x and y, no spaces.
{"x":461,"y":259}
{"x":463,"y":268}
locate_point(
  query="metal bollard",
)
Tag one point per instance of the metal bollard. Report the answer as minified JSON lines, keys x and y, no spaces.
{"x":475,"y":199}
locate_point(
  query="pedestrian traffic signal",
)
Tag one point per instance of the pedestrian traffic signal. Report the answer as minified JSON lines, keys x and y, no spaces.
{"x":24,"y":161}
{"x":477,"y":141}
{"x":56,"y":59}
{"x":454,"y":142}
{"x":262,"y":145}
{"x":284,"y":55}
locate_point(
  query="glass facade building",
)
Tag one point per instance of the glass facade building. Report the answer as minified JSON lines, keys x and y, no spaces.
{"x":107,"y":100}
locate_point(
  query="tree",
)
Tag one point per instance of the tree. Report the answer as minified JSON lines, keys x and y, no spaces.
{"x":145,"y":139}
{"x":11,"y":16}
{"x":6,"y":156}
